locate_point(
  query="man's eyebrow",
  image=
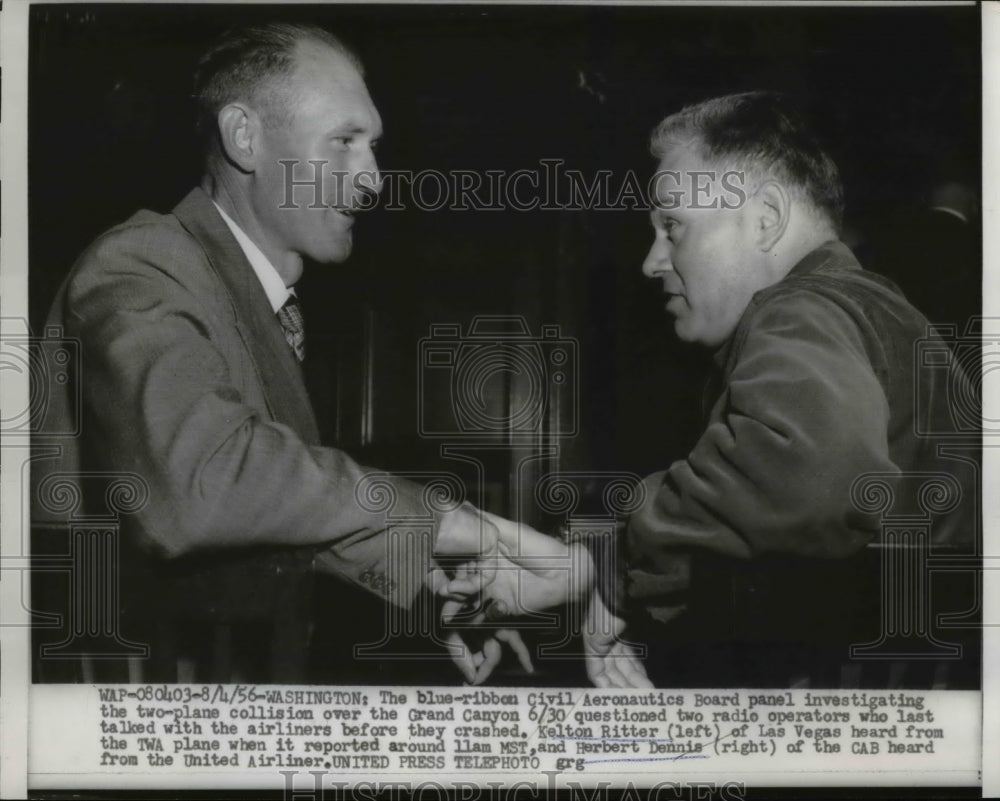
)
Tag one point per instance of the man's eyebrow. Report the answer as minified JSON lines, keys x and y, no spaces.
{"x":353,"y":128}
{"x":664,"y":207}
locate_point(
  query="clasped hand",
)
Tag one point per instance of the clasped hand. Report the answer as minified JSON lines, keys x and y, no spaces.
{"x":518,"y":572}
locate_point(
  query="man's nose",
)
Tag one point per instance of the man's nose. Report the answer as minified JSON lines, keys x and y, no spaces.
{"x":368,"y":178}
{"x":657,"y":260}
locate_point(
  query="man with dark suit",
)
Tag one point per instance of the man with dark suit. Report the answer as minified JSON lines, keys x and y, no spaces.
{"x":741,"y":565}
{"x":191,"y":340}
{"x":819,"y":402}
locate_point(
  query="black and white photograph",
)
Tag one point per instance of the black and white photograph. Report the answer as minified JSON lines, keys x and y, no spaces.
{"x":472,"y":356}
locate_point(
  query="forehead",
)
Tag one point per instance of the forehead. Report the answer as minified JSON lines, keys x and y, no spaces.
{"x":683,"y":156}
{"x":680,"y":169}
{"x":329,"y":90}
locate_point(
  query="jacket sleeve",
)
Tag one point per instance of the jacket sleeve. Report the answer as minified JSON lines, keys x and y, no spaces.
{"x":161,"y":401}
{"x":801,"y":417}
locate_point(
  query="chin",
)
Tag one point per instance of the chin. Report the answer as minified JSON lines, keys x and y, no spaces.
{"x":695,"y":338}
{"x":683,"y":333}
{"x":337,"y":254}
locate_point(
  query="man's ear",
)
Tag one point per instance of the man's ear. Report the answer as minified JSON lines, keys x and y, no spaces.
{"x":239,"y":132}
{"x":772,"y":209}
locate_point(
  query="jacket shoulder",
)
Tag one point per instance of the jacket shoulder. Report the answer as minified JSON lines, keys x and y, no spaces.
{"x":790,"y":301}
{"x":145,"y":238}
{"x":866,"y":298}
{"x":148,"y":250}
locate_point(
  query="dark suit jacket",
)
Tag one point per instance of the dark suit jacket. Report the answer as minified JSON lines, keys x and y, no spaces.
{"x":186,"y":381}
{"x":821,"y":385}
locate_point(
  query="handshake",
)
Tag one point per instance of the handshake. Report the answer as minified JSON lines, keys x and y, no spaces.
{"x":503,"y":569}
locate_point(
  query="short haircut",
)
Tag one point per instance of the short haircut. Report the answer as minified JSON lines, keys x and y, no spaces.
{"x":762,"y":134}
{"x":254,"y":64}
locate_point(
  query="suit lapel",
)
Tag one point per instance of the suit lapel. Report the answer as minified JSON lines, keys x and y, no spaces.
{"x":277,"y":370}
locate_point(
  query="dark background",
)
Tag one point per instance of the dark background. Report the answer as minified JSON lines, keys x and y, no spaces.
{"x":895,"y":92}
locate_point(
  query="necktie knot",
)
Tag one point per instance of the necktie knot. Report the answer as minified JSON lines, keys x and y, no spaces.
{"x":290,"y":317}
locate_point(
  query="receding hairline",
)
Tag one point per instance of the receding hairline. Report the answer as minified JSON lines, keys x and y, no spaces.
{"x":277,"y":94}
{"x":689,"y":141}
{"x":685,"y":136}
{"x":773,"y":142}
{"x":276,"y":52}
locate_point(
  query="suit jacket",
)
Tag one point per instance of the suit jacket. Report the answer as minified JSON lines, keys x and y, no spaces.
{"x":819,"y":385}
{"x":186,"y":381}
{"x":766,"y":520}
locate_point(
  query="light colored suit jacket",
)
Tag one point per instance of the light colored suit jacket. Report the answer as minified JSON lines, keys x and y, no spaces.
{"x":187,"y":381}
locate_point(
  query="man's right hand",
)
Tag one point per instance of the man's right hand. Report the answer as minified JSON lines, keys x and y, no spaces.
{"x":536,"y":572}
{"x":468,"y":537}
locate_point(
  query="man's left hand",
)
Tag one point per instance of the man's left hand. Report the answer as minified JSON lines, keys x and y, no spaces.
{"x":611,"y":662}
{"x":476,"y":665}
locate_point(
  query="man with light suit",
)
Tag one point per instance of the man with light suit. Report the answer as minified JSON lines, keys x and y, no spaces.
{"x":191,"y":343}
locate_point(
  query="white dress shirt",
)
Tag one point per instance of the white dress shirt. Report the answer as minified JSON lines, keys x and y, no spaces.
{"x":275,"y":289}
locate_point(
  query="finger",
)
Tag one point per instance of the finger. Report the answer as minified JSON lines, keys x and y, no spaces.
{"x":461,"y":656}
{"x":465,"y":582}
{"x":595,"y":671}
{"x":437,"y":580}
{"x":468,"y":580}
{"x":471,"y":578}
{"x":496,"y":609}
{"x":462,"y":612}
{"x":639,"y":680}
{"x":512,"y":535}
{"x":450,"y":610}
{"x":463,"y":587}
{"x":491,"y":658}
{"x":614,"y":676}
{"x":627,"y":651}
{"x":513,"y":639}
{"x":633,"y":670}
{"x":597,"y":645}
{"x":487,"y":567}
{"x":627,"y":670}
{"x":613,"y":667}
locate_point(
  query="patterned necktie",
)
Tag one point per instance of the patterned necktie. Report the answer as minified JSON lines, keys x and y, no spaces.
{"x":290,"y":317}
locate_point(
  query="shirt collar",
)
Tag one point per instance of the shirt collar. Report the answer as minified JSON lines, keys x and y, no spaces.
{"x":275,"y":289}
{"x":831,"y":254}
